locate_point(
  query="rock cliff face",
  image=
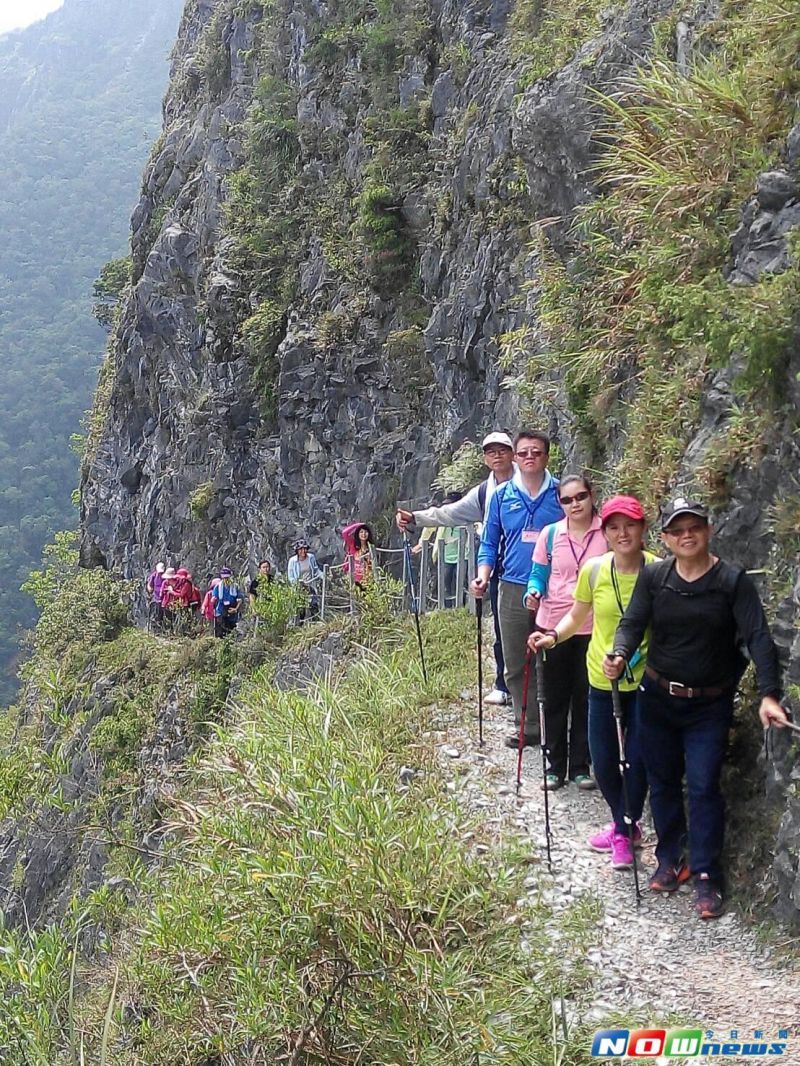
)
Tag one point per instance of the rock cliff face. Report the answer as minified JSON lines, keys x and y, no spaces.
{"x":364,"y":417}
{"x":338,"y":233}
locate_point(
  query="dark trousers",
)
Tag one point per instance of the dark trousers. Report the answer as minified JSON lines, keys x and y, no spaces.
{"x":604,"y":748}
{"x":311,"y":608}
{"x":686,"y":736}
{"x":224,"y":624}
{"x":450,"y":575}
{"x":500,"y":666}
{"x":566,"y":700}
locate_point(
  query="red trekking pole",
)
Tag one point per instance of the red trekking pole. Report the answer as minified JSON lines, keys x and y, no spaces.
{"x":526,"y":679}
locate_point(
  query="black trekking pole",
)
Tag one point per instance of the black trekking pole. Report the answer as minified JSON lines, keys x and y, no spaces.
{"x":414,"y":602}
{"x":526,"y":680}
{"x":479,"y":616}
{"x":545,"y":750}
{"x":623,"y":767}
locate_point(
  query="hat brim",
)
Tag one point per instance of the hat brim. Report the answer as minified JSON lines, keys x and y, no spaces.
{"x":683,"y":511}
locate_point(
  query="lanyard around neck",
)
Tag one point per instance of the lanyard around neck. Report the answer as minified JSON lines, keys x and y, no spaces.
{"x":629,"y":676}
{"x":587,"y":543}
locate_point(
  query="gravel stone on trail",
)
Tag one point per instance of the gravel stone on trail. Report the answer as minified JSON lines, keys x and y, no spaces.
{"x":656,"y":961}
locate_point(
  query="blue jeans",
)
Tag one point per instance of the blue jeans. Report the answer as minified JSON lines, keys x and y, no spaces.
{"x":686,"y":736}
{"x":604,"y":749}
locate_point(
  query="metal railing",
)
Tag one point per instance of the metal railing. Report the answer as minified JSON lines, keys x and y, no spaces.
{"x":338,"y":587}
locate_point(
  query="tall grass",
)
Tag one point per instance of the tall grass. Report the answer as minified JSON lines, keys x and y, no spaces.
{"x":329,"y":910}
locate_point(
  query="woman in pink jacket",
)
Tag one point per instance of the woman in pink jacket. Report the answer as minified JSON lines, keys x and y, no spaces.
{"x":560,"y":552}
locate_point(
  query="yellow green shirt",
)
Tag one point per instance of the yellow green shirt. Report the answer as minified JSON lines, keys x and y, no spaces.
{"x":595,"y":587}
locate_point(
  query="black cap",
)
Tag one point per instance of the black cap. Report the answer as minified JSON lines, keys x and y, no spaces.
{"x":681,"y":505}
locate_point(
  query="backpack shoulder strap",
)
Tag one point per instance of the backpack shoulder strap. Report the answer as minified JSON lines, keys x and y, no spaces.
{"x":727,"y":579}
{"x":666,"y":568}
{"x":551,"y":536}
{"x":483,"y":489}
{"x":594,"y":571}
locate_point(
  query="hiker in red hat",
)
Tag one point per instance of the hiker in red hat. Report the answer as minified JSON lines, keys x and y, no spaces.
{"x":605,"y":586}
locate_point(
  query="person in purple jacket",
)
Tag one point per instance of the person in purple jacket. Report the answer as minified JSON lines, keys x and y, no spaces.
{"x":518,"y":512}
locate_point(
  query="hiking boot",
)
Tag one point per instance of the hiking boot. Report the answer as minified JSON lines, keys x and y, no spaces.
{"x":497,"y":697}
{"x":512,"y":741}
{"x":621,"y":852}
{"x":669,"y":876}
{"x":584,"y":782}
{"x":708,"y":898}
{"x":552,"y":782}
{"x":603,"y":840}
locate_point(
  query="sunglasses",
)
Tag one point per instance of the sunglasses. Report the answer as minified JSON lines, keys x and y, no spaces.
{"x":530,"y":453}
{"x":579,"y":497}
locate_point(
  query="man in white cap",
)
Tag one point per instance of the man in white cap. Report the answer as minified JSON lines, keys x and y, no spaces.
{"x":498,"y":455}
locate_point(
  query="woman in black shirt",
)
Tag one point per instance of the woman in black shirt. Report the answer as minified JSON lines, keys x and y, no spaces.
{"x":699,"y":609}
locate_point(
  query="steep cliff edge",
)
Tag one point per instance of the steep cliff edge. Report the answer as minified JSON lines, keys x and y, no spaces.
{"x":362,"y":222}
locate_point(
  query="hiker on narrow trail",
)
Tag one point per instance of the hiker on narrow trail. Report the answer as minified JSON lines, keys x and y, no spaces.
{"x":446,"y":540}
{"x":518,"y":512}
{"x":358,"y":541}
{"x":262,"y":580}
{"x":560,"y":551}
{"x":699,"y":609}
{"x":303,"y":572}
{"x":498,"y":456}
{"x":227,"y":599}
{"x":605,"y":586}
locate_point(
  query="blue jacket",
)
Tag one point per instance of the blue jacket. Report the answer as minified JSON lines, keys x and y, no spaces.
{"x":513,"y":513}
{"x":225,"y":596}
{"x":293,"y":569}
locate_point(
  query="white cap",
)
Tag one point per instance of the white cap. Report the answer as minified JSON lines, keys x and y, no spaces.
{"x":498,"y":438}
{"x":160,"y":568}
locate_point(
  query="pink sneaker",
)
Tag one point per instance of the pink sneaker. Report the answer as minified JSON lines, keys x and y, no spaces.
{"x":604,"y":840}
{"x":621,"y":852}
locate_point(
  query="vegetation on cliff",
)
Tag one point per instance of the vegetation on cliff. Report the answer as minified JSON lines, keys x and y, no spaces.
{"x":301,"y":887}
{"x":80,"y":102}
{"x":638,"y":308}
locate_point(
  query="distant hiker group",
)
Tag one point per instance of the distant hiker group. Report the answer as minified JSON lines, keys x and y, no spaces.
{"x":639,"y":658}
{"x":175,"y":600}
{"x":176,"y":604}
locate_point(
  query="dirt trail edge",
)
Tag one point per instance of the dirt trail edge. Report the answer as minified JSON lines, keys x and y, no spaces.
{"x":657,"y":961}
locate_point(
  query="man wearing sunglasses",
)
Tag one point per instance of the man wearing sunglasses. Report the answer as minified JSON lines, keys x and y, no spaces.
{"x":519,"y":510}
{"x":700,"y":609}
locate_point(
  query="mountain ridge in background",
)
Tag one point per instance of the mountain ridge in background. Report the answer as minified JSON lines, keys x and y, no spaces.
{"x":80,"y":104}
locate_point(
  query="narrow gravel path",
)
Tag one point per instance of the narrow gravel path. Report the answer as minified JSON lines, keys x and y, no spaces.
{"x":657,"y":960}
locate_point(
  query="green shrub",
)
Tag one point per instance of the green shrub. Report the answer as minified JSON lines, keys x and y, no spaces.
{"x":277,"y":605}
{"x":464,"y":470}
{"x":78,"y":606}
{"x":640,"y":308}
{"x":201,"y":499}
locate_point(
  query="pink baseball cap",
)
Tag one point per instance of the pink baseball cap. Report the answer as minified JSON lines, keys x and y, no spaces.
{"x":627,"y":505}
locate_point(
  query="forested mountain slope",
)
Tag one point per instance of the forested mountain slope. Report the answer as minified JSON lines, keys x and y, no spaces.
{"x":80,"y":103}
